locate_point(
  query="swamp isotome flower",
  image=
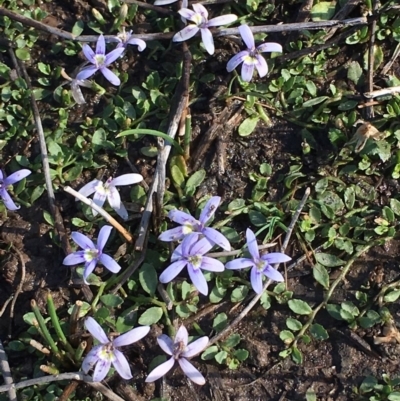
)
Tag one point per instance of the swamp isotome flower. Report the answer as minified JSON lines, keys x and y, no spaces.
{"x":10,"y":180}
{"x":91,"y":254}
{"x":200,"y":18}
{"x":100,"y":61}
{"x":125,"y":39}
{"x":106,"y":353}
{"x":191,"y":254}
{"x":261,"y":266}
{"x":109,"y":191}
{"x":179,"y":351}
{"x":251,"y":57}
{"x":190,"y":225}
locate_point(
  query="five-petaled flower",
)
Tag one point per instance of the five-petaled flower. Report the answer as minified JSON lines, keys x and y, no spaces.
{"x":190,"y":225}
{"x":100,"y":61}
{"x":190,"y":253}
{"x":91,"y":253}
{"x":109,"y":191}
{"x":10,"y":180}
{"x":251,"y":57}
{"x":179,"y":351}
{"x":106,"y":353}
{"x":125,"y":38}
{"x":200,"y":18}
{"x":261,"y":266}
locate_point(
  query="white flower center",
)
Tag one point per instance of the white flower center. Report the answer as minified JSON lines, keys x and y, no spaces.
{"x":195,"y":260}
{"x":106,"y":353}
{"x":179,"y":347}
{"x":91,"y":254}
{"x":260,"y":264}
{"x":100,"y":60}
{"x":251,"y":58}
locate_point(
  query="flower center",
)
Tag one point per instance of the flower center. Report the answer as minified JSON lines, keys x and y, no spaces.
{"x":195,"y":260}
{"x":106,"y":353}
{"x":100,"y":60}
{"x":199,"y":20}
{"x":91,"y":254}
{"x":179,"y":347}
{"x":260,"y":264}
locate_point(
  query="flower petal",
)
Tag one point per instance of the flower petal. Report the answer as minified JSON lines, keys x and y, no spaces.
{"x":172,"y":271}
{"x":247,"y":36}
{"x":75,"y":258}
{"x":164,"y":2}
{"x":86,"y":72}
{"x":273,"y":274}
{"x":222,"y":20}
{"x":91,"y":358}
{"x":182,"y":218}
{"x":103,"y":237}
{"x":190,"y":371}
{"x":200,"y":9}
{"x":181,"y":335}
{"x":236,"y":60}
{"x":82,"y":240}
{"x":261,"y":65}
{"x":89,"y":267}
{"x":175,"y":234}
{"x":186,"y":13}
{"x":17,"y":176}
{"x":186,"y":33}
{"x":109,"y":263}
{"x":101,"y":45}
{"x":208,"y":41}
{"x":114,"y":199}
{"x":252,"y":244}
{"x":177,"y":254}
{"x":201,"y":247}
{"x":8,"y":202}
{"x":101,"y":370}
{"x":247,"y":71}
{"x":275,"y":257}
{"x":270,"y":47}
{"x":196,"y":347}
{"x":211,"y":264}
{"x":141,"y":44}
{"x":126,"y":179}
{"x":188,"y":242}
{"x":89,"y":188}
{"x":256,"y":280}
{"x":209,"y":209}
{"x":113,"y":55}
{"x":1,"y":175}
{"x":240,"y":263}
{"x":160,"y":370}
{"x":89,"y":54}
{"x":99,"y":199}
{"x":121,"y":365}
{"x":166,"y":344}
{"x":216,"y":237}
{"x":198,"y":279}
{"x":131,"y":336}
{"x":96,"y":330}
{"x":110,"y":76}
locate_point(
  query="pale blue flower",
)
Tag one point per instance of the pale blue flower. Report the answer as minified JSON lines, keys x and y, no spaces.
{"x":10,"y":180}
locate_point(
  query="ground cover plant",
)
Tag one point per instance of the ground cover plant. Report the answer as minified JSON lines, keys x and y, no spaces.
{"x":216,"y":181}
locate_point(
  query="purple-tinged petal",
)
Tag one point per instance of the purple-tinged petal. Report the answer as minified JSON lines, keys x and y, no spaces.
{"x":110,"y":76}
{"x":101,"y":45}
{"x":164,"y":2}
{"x":208,"y":41}
{"x":209,"y":209}
{"x":196,"y":347}
{"x":188,"y":242}
{"x":99,"y":198}
{"x":1,"y":175}
{"x":86,"y":72}
{"x":103,"y":237}
{"x":131,"y":336}
{"x":126,"y":179}
{"x":261,"y":65}
{"x":89,"y":270}
{"x":217,"y":238}
{"x":275,"y":257}
{"x":252,"y":244}
{"x":121,"y":365}
{"x":236,"y":60}
{"x":201,"y":247}
{"x":166,"y":344}
{"x":91,"y":358}
{"x":114,"y":55}
{"x":256,"y":280}
{"x":273,"y":274}
{"x":182,"y":335}
{"x":75,"y":258}
{"x":240,"y":263}
{"x":96,"y":330}
{"x":270,"y":47}
{"x":109,"y":263}
{"x":8,"y":202}
{"x":160,"y":370}
{"x":222,"y":20}
{"x":190,"y":371}
{"x":89,"y":188}
{"x":211,"y":264}
{"x":186,"y":33}
{"x":172,"y":271}
{"x":182,"y":218}
{"x":82,"y":241}
{"x":198,"y":279}
{"x":175,"y":234}
{"x":17,"y":176}
{"x":247,"y":71}
{"x":186,"y":13}
{"x":141,"y":44}
{"x":101,"y":370}
{"x":89,"y":54}
{"x":200,"y":9}
{"x":247,"y":36}
{"x":114,"y":199}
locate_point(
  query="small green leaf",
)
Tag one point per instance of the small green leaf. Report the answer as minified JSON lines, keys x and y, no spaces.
{"x":248,"y":126}
{"x":186,"y":289}
{"x":395,"y":206}
{"x":354,"y":72}
{"x":112,"y":301}
{"x":220,"y":322}
{"x":148,"y":278}
{"x":293,"y":324}
{"x":321,"y":275}
{"x":310,"y":395}
{"x":323,"y":11}
{"x":392,"y":296}
{"x":318,"y":332}
{"x":328,"y":260}
{"x":36,"y":193}
{"x":368,"y":384}
{"x":23,"y":54}
{"x":241,"y":354}
{"x":300,"y":307}
{"x":286,"y":336}
{"x":395,"y":396}
{"x":221,"y":357}
{"x":217,"y":294}
{"x":151,"y":316}
{"x":209,"y":353}
{"x":239,"y":293}
{"x":231,"y":341}
{"x":297,"y":356}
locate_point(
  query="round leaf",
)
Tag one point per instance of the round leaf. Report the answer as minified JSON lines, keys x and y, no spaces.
{"x":300,"y":307}
{"x":151,"y":316}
